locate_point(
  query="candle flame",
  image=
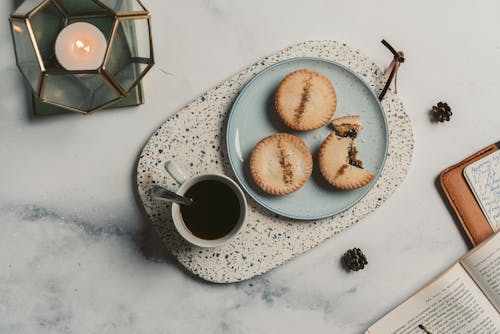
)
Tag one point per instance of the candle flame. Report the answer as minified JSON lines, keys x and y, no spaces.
{"x":81,"y":45}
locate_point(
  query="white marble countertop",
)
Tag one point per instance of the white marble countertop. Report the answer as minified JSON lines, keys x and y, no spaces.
{"x":76,"y":255}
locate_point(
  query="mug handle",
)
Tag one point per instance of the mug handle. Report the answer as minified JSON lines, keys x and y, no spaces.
{"x":175,"y":171}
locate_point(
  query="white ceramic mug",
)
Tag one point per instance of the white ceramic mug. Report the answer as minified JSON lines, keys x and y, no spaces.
{"x":186,"y":183}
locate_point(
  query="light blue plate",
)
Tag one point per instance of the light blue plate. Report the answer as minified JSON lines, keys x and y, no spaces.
{"x":253,"y":117}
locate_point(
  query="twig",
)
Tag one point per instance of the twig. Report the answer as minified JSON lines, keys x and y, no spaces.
{"x":392,"y":71}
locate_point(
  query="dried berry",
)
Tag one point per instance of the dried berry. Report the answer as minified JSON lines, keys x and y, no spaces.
{"x":353,"y":157}
{"x":351,"y":133}
{"x":354,"y":260}
{"x":441,"y":112}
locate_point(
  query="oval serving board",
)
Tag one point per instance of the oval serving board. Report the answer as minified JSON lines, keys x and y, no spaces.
{"x":195,"y":139}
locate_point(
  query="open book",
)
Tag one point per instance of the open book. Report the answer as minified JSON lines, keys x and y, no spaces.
{"x":465,"y":299}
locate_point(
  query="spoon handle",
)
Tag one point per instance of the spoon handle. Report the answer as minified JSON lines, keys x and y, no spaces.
{"x":163,"y":194}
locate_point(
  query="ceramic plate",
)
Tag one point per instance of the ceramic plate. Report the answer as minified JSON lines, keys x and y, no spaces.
{"x":253,"y":117}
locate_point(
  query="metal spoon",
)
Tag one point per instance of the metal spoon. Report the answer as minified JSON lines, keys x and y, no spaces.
{"x":166,"y":195}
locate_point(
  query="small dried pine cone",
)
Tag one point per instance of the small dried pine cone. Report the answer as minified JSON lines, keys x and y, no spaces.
{"x":354,"y":260}
{"x":441,"y":112}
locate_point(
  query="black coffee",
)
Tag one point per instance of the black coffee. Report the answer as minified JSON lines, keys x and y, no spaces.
{"x":215,"y":210}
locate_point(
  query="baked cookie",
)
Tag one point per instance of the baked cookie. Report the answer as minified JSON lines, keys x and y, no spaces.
{"x":305,"y":100}
{"x":338,"y":160}
{"x":347,"y":126}
{"x":280,"y":164}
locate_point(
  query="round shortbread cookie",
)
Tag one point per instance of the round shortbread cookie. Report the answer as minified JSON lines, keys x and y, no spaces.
{"x":280,"y":164}
{"x":305,"y":100}
{"x":347,"y":126}
{"x":339,"y":165}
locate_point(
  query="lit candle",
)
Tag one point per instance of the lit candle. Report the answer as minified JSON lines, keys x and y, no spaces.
{"x":80,"y":46}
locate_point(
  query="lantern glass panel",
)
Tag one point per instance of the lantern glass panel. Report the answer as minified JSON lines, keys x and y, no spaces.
{"x":120,"y":6}
{"x":84,"y":92}
{"x":46,"y":24}
{"x":26,"y":54}
{"x":36,"y":24}
{"x":26,"y":7}
{"x":104,"y":23}
{"x":82,"y":8}
{"x":130,"y":54}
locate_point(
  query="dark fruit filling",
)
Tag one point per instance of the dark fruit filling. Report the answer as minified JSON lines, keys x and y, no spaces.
{"x":353,"y":161}
{"x":353,"y":133}
{"x":349,"y":133}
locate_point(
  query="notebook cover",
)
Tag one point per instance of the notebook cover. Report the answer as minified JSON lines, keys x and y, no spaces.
{"x":462,"y":200}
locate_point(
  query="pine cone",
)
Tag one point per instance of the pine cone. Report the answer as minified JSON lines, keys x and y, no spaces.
{"x":354,"y":260}
{"x":441,"y":112}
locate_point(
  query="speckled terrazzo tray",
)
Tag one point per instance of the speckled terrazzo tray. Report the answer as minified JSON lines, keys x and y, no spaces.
{"x":195,"y":139}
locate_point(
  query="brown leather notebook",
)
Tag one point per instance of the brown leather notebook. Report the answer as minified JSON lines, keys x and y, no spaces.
{"x":462,"y":200}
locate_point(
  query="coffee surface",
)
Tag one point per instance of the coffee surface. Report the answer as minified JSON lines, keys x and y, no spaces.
{"x":215,"y":210}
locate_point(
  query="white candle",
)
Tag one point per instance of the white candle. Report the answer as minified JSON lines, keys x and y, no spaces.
{"x":80,"y":46}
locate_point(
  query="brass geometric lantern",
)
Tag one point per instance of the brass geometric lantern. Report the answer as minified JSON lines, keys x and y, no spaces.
{"x":83,"y":55}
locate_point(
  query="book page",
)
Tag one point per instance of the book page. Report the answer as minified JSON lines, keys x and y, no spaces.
{"x":483,"y":264}
{"x":450,"y":304}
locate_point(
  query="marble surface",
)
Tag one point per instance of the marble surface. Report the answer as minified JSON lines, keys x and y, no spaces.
{"x":76,"y":255}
